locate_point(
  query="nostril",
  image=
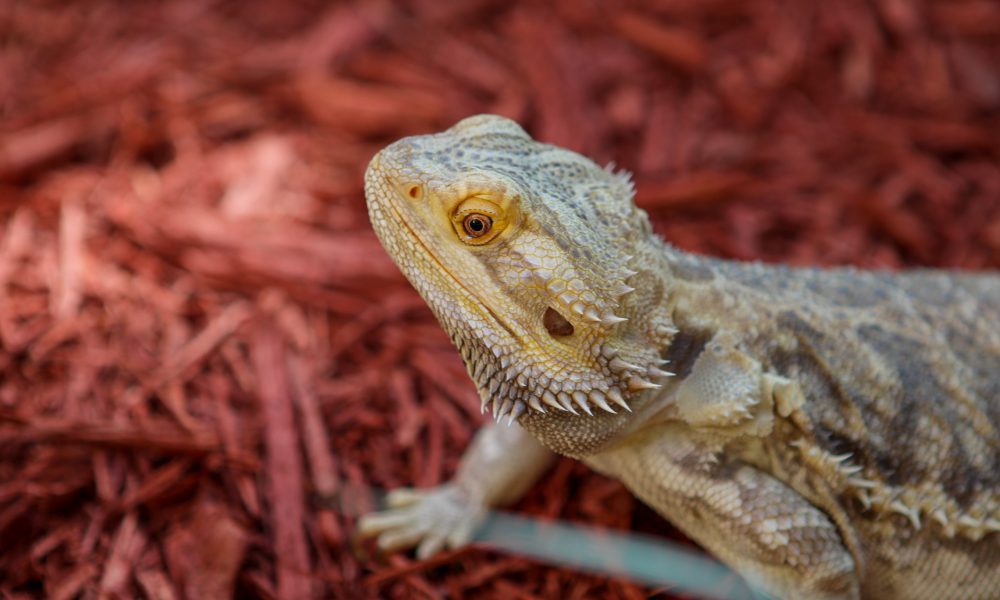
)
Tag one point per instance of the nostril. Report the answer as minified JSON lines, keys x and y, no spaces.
{"x":556,"y":324}
{"x":415,"y":191}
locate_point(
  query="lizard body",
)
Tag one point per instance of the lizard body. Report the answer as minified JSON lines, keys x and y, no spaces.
{"x":826,"y":433}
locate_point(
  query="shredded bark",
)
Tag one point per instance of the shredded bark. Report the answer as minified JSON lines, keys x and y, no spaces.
{"x":208,"y":366}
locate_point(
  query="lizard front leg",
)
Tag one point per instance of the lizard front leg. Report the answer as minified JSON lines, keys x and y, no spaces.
{"x":500,"y":465}
{"x":754,"y":522}
{"x":759,"y":526}
{"x":727,"y":391}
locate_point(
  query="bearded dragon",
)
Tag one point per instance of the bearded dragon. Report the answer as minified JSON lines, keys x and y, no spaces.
{"x":826,"y":433}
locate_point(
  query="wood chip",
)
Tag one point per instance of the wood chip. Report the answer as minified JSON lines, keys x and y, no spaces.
{"x":286,"y":491}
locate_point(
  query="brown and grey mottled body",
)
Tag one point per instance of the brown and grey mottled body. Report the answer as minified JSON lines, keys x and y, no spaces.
{"x":827,"y":433}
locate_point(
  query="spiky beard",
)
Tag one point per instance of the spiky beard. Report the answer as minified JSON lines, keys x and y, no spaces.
{"x":510,"y":387}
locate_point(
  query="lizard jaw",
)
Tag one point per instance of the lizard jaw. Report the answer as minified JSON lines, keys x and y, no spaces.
{"x":512,"y":391}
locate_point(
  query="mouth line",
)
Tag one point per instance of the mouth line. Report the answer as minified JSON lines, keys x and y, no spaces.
{"x":416,"y":236}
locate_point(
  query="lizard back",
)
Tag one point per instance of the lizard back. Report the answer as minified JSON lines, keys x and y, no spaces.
{"x":901,"y":378}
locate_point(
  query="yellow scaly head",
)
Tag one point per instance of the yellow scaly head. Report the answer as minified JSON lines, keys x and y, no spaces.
{"x":523,"y":251}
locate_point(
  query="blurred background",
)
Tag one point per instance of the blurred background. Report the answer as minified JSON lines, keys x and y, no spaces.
{"x":203,"y":346}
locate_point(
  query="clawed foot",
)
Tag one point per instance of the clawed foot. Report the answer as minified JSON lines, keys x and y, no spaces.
{"x":429,"y":519}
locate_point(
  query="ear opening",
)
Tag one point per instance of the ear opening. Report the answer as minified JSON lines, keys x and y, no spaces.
{"x":556,"y":324}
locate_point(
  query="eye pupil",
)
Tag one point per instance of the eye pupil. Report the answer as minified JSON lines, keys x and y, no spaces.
{"x":477,"y":225}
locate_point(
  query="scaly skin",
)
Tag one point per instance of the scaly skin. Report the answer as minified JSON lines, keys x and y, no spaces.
{"x":828,"y":434}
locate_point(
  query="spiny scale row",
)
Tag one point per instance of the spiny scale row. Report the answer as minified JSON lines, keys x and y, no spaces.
{"x":590,"y":310}
{"x":508,"y":400}
{"x":878,"y":496}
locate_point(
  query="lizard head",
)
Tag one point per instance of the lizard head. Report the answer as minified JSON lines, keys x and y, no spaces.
{"x":525,"y":252}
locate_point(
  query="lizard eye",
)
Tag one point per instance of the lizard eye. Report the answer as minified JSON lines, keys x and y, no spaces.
{"x":478,"y":221}
{"x":477,"y":225}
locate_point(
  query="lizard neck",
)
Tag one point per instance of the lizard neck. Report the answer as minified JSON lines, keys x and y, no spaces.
{"x":681,"y":302}
{"x":662,"y":317}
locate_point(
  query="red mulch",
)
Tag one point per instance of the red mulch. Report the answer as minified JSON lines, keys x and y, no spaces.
{"x":201,"y":340}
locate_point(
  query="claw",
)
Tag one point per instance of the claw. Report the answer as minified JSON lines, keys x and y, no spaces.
{"x":401,"y":497}
{"x":376,"y":523}
{"x":431,"y":546}
{"x":397,"y":539}
{"x":462,"y":534}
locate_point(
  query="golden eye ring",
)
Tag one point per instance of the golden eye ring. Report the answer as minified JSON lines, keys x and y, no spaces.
{"x":478,"y":221}
{"x":477,"y":225}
